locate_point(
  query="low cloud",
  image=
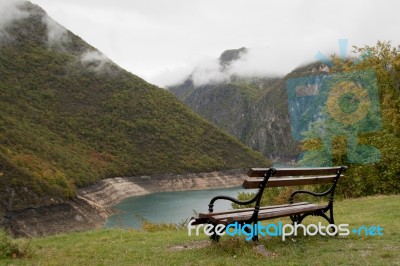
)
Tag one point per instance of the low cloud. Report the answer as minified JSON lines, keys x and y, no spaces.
{"x":95,"y":61}
{"x":57,"y":35}
{"x":9,"y":12}
{"x":171,"y":77}
{"x":255,"y":62}
{"x":209,"y":71}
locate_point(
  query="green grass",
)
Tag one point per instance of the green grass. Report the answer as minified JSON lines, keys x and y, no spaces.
{"x":133,"y":247}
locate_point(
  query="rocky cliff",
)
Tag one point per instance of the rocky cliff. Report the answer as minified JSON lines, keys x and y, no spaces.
{"x":253,"y":109}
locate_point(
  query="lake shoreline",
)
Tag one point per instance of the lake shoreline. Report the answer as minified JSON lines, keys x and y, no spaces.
{"x":110,"y":191}
{"x":92,"y":205}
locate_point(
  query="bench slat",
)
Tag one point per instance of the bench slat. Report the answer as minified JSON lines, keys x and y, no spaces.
{"x":249,"y":213}
{"x":259,"y":172}
{"x":198,"y":220}
{"x":265,"y":214}
{"x":288,"y":181}
{"x":209,"y":214}
{"x":280,"y":213}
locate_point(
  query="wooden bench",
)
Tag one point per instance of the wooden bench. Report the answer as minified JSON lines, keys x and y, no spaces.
{"x":277,"y":177}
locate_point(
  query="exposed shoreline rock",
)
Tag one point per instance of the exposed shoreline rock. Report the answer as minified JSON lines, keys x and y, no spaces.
{"x":110,"y":191}
{"x":93,"y":204}
{"x":71,"y":215}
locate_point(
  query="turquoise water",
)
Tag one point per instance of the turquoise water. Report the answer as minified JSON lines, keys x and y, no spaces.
{"x":168,"y":207}
{"x":171,"y":207}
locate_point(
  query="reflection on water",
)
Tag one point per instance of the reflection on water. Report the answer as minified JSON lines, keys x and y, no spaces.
{"x":168,"y":207}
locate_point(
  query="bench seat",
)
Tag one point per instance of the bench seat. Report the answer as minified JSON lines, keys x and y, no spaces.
{"x":267,"y":213}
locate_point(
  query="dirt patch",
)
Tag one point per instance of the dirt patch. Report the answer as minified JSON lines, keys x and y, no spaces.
{"x":192,"y":245}
{"x":262,"y":251}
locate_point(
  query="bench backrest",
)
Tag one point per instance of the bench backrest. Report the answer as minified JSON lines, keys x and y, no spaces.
{"x":279,"y":177}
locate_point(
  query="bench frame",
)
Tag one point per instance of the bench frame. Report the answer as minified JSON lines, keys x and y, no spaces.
{"x":267,"y":173}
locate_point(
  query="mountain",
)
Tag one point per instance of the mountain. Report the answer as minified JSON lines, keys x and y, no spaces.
{"x":352,"y":117}
{"x":69,"y":117}
{"x":253,"y":109}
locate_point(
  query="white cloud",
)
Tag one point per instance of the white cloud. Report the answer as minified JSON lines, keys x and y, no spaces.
{"x":9,"y":12}
{"x":208,"y":71}
{"x":172,"y":76}
{"x":95,"y":61}
{"x":57,"y":35}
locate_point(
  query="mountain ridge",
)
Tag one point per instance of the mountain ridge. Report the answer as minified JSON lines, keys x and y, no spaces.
{"x":70,"y":117}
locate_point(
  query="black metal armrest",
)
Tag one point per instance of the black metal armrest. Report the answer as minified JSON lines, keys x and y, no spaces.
{"x":234,"y":200}
{"x":256,"y":198}
{"x":331,"y":190}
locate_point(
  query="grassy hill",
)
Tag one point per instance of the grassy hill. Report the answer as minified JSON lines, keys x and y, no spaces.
{"x":69,"y":116}
{"x":166,"y":246}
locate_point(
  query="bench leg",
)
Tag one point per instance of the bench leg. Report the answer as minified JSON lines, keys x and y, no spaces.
{"x":329,"y":219}
{"x":294,"y":218}
{"x":299,"y":218}
{"x":215,"y":237}
{"x":255,"y":237}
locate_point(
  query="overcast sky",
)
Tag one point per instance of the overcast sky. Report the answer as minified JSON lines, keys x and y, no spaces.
{"x":163,"y":40}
